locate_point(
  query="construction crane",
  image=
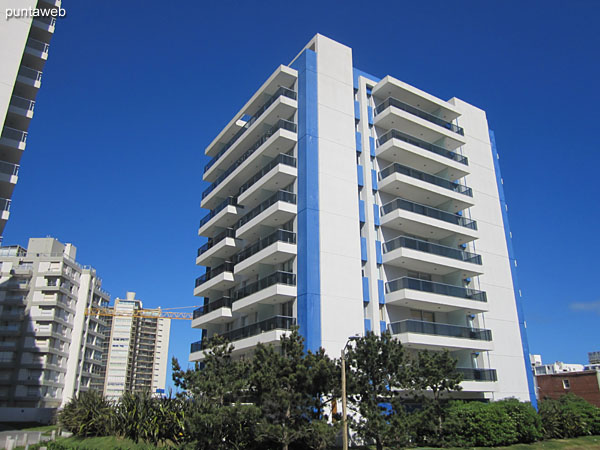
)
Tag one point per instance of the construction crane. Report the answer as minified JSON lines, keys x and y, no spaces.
{"x":156,"y":313}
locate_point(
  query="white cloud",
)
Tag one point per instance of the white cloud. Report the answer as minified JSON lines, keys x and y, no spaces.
{"x":586,"y":306}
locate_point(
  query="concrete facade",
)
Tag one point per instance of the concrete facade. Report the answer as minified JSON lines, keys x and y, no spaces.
{"x":345,"y":203}
{"x":50,"y":349}
{"x":24,"y":46}
{"x":136,"y":351}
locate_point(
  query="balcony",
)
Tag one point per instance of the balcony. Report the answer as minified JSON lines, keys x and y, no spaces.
{"x":246,"y":338}
{"x":279,"y":173}
{"x":423,"y":335}
{"x":274,"y":249}
{"x":8,"y":178}
{"x":424,"y":221}
{"x":216,"y":278}
{"x":279,"y":287}
{"x":37,"y":49}
{"x":4,"y":208}
{"x":423,"y":256}
{"x":29,"y":76}
{"x":21,"y":106}
{"x":218,"y":311}
{"x":45,"y":23}
{"x":477,"y":374}
{"x":280,"y":138}
{"x":433,"y":296}
{"x":280,"y":105}
{"x":218,"y":248}
{"x":223,"y":215}
{"x":273,"y":212}
{"x":424,"y":188}
{"x":13,"y":138}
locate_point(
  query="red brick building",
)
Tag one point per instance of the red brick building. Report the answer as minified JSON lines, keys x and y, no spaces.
{"x":585,"y":384}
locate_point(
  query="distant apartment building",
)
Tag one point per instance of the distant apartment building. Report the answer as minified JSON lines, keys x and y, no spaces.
{"x":24,"y":44}
{"x":345,"y":203}
{"x":539,"y":368}
{"x":50,"y":350}
{"x":584,"y":384}
{"x":136,"y":349}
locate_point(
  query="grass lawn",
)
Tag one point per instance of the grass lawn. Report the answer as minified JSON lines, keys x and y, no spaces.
{"x":587,"y":443}
{"x":103,"y":443}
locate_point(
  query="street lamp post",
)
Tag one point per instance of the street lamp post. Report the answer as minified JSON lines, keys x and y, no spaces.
{"x":344,"y":401}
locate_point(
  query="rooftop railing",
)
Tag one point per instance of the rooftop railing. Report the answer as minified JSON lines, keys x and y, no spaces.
{"x":440,"y":329}
{"x":281,"y":124}
{"x":223,"y":302}
{"x":428,"y":178}
{"x":283,"y":196}
{"x":395,"y":134}
{"x":213,"y":272}
{"x":429,"y":247}
{"x":273,"y":323}
{"x":279,"y":277}
{"x":277,"y":236}
{"x":282,"y":91}
{"x":400,"y":203}
{"x":217,"y":209}
{"x":280,"y":159}
{"x":435,"y":288}
{"x":390,"y":101}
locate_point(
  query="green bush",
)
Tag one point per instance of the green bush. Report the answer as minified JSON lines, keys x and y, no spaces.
{"x":569,"y":416}
{"x":89,"y":414}
{"x":524,"y":419}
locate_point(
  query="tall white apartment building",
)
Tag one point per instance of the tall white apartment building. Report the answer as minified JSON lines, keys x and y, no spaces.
{"x":347,"y":203}
{"x":137,"y":347}
{"x":24,"y":44}
{"x":50,"y":350}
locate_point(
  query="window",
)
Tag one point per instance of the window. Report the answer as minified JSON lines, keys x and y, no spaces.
{"x":566,"y":384}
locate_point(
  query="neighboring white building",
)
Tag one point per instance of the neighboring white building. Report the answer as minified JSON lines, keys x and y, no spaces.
{"x":50,"y":350}
{"x":539,"y":368}
{"x":137,"y":347}
{"x":345,"y":203}
{"x":24,"y":44}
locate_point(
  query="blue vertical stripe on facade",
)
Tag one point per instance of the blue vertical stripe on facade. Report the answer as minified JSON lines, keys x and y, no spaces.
{"x":358,"y":142}
{"x":360,"y":175}
{"x":374,"y":179}
{"x":308,"y":277}
{"x":365,"y":286}
{"x":361,"y":211}
{"x":367,"y":325}
{"x":372,"y":146}
{"x":513,"y":270}
{"x":370,"y":114}
{"x":356,"y":110}
{"x":363,"y":248}
{"x":378,"y":253}
{"x":381,"y":292}
{"x":376,"y":219}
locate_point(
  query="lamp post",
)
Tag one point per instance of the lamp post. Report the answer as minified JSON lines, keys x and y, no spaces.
{"x":344,"y":401}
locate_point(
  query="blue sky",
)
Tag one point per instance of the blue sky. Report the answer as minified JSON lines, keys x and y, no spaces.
{"x":132,"y":93}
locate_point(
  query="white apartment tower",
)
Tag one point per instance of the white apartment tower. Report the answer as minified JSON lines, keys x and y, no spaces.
{"x":137,"y":347}
{"x":24,"y":44}
{"x":346,"y":203}
{"x":50,"y":350}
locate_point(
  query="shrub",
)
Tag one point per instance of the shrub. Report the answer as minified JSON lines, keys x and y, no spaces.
{"x":569,"y":416}
{"x":89,"y":414}
{"x":524,"y":419}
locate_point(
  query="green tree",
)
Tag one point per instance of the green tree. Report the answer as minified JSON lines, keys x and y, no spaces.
{"x":377,"y":375}
{"x":292,"y":388}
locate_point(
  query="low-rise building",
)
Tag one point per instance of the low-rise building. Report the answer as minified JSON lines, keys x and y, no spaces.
{"x":584,"y":384}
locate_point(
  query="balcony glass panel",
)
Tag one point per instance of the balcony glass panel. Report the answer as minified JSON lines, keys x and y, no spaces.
{"x":428,"y":178}
{"x":395,"y":134}
{"x":32,"y":74}
{"x":278,"y":236}
{"x":284,"y":196}
{"x":273,"y":323}
{"x":4,"y":204}
{"x":440,"y":329}
{"x":281,"y":159}
{"x":419,"y":113}
{"x":435,"y":288}
{"x":400,"y":203}
{"x":477,"y":374}
{"x":22,"y":103}
{"x":428,"y":247}
{"x":220,"y":207}
{"x":229,"y":232}
{"x":38,"y":45}
{"x":223,"y":302}
{"x":275,"y":278}
{"x":213,"y":272}
{"x":14,"y":134}
{"x":9,"y":168}
{"x":282,"y":91}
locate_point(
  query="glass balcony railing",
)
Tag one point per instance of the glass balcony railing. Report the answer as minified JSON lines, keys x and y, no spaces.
{"x":9,"y":168}
{"x":273,"y":323}
{"x":477,"y":374}
{"x":228,"y":232}
{"x":283,"y":196}
{"x":34,"y":75}
{"x":400,"y":203}
{"x":223,"y":302}
{"x":440,"y":329}
{"x":395,"y":134}
{"x":14,"y":134}
{"x":278,"y":236}
{"x":419,"y":113}
{"x":428,"y":178}
{"x":428,"y":247}
{"x":435,"y":288}
{"x":282,"y":91}
{"x":4,"y":204}
{"x":286,"y":278}
{"x":23,"y":103}
{"x":281,"y":124}
{"x":50,"y":21}
{"x":38,"y":45}
{"x":220,"y":207}
{"x":280,"y":159}
{"x":213,"y":272}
